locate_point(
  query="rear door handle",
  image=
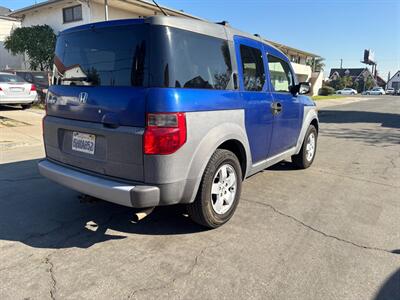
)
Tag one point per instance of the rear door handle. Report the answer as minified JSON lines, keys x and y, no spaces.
{"x":276,"y":108}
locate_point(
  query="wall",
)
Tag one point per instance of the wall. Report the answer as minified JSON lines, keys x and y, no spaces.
{"x":91,"y":12}
{"x":53,"y":16}
{"x":303,"y":72}
{"x":7,"y":60}
{"x":394,"y":82}
{"x":316,"y":82}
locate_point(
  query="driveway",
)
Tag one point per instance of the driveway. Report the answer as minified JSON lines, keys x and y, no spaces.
{"x":328,"y":232}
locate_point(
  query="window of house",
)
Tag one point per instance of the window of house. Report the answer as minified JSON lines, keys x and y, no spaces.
{"x":72,"y":14}
{"x":253,"y":68}
{"x":280,"y":74}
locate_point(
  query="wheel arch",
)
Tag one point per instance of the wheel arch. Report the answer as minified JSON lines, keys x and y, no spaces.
{"x":237,"y":148}
{"x":310,"y":118}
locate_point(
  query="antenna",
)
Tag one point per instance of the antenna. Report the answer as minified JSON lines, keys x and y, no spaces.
{"x":159,"y":7}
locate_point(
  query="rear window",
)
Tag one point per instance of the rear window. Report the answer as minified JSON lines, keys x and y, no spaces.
{"x":113,"y":56}
{"x":10,"y":78}
{"x":143,"y":56}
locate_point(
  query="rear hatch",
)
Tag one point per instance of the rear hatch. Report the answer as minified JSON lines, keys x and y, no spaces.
{"x":96,"y":105}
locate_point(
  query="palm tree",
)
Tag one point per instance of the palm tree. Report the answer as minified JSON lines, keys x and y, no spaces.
{"x":318,"y":64}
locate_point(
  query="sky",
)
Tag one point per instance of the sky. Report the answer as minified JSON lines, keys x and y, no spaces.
{"x":335,"y":29}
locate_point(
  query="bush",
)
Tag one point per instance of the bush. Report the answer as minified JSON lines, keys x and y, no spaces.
{"x":326,"y":90}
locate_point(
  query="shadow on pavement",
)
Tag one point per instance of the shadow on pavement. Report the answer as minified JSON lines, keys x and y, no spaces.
{"x":339,"y":117}
{"x":10,"y":107}
{"x":390,"y":289}
{"x":42,"y":214}
{"x":372,"y":136}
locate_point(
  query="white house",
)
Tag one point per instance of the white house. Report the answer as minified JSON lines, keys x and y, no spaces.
{"x":394,"y":82}
{"x":62,"y":14}
{"x":7,"y":60}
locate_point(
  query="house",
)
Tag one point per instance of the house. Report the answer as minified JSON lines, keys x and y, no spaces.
{"x":62,"y":14}
{"x":358,"y":75}
{"x":7,"y":24}
{"x":394,"y":82}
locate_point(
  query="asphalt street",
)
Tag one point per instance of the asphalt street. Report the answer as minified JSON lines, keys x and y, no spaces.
{"x":328,"y":232}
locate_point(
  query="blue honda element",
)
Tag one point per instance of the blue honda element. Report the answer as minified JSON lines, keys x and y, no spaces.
{"x":167,"y":110}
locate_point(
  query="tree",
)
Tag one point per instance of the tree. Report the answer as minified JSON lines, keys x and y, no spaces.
{"x":369,"y":83}
{"x":317,"y":64}
{"x":38,"y":42}
{"x":346,"y":81}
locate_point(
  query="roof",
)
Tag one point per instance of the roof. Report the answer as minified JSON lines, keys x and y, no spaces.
{"x":8,"y":18}
{"x":395,"y":74}
{"x":353,"y":72}
{"x":281,"y":47}
{"x":143,"y":3}
{"x":149,"y":4}
{"x":4,"y":11}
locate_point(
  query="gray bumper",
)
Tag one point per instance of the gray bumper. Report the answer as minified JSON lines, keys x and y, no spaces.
{"x":109,"y":190}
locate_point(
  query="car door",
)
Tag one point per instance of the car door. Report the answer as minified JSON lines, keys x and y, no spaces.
{"x":253,"y":82}
{"x":286,"y":107}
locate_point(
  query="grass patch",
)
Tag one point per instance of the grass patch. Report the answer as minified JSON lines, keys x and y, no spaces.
{"x":327,"y":97}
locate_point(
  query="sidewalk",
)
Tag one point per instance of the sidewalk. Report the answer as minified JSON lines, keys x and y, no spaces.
{"x":341,"y":101}
{"x":20,"y":134}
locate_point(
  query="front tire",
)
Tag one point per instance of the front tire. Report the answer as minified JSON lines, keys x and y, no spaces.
{"x":26,"y":106}
{"x":306,"y":156}
{"x":219,"y":190}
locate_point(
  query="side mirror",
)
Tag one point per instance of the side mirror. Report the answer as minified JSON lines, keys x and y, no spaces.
{"x":302,"y":88}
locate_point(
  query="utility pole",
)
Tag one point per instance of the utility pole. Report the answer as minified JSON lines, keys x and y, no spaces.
{"x":341,"y":63}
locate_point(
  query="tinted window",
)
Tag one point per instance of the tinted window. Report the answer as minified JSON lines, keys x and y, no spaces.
{"x":253,"y":68}
{"x":113,"y":56}
{"x":183,"y":59}
{"x":280,"y":74}
{"x":71,"y":14}
{"x":10,"y":78}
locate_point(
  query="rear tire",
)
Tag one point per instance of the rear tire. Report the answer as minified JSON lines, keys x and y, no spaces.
{"x":219,"y":190}
{"x":306,"y":156}
{"x":26,"y":106}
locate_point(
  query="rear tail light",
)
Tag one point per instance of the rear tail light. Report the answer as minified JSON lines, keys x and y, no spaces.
{"x":1,"y":89}
{"x":165,"y":133}
{"x":33,"y":88}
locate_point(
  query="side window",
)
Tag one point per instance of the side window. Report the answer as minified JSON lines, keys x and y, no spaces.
{"x":253,"y":68}
{"x":280,"y":74}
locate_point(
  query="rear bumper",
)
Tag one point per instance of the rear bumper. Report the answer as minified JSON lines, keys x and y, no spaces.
{"x":15,"y":100}
{"x":113,"y":191}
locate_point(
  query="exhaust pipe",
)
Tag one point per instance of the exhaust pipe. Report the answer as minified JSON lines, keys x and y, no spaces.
{"x":140,"y":215}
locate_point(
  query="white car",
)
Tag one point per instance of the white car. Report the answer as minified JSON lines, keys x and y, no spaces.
{"x":376,"y":91}
{"x":347,"y":91}
{"x":14,"y":90}
{"x":390,"y":91}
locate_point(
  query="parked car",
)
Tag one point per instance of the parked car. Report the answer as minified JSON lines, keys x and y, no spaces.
{"x":39,"y":78}
{"x":346,"y":91}
{"x":183,"y":119}
{"x":16,"y":91}
{"x":376,"y":91}
{"x":390,"y":91}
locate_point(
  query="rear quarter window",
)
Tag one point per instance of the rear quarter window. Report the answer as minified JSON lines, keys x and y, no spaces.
{"x":190,"y":60}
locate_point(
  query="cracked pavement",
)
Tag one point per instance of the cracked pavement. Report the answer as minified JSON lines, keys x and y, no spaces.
{"x":328,"y":232}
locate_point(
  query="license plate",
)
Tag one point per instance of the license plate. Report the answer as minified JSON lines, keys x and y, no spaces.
{"x":16,"y":89}
{"x":83,"y":142}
